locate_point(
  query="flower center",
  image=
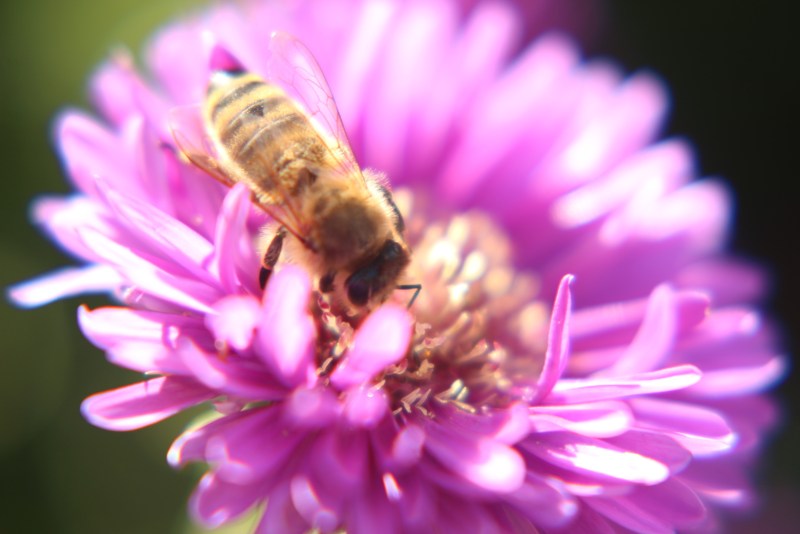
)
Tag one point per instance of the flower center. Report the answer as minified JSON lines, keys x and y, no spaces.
{"x":480,"y":332}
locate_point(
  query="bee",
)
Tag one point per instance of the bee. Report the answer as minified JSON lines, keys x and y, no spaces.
{"x":282,"y":135}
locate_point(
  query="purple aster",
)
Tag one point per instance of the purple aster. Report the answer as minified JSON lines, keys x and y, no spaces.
{"x":584,"y":355}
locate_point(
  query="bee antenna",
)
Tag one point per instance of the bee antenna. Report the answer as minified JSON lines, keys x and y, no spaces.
{"x":416,"y":287}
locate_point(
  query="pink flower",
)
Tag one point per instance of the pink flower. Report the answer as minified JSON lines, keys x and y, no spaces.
{"x":583,"y":356}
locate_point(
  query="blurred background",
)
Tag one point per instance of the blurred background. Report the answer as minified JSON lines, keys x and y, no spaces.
{"x":734,"y":81}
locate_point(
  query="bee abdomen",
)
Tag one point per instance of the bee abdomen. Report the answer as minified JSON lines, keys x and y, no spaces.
{"x":264,"y":132}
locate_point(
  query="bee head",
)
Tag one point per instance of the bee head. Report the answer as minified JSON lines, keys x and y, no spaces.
{"x":372,"y":280}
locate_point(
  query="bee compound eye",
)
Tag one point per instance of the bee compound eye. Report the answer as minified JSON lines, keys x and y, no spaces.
{"x":358,"y":292}
{"x":391,"y":250}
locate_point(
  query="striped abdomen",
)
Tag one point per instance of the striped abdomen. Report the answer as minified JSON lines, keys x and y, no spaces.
{"x":261,"y":130}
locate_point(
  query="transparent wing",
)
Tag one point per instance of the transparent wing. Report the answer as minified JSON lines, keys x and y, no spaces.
{"x":190,"y":135}
{"x":292,"y":66}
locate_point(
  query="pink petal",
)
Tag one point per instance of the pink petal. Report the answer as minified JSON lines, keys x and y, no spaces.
{"x":111,"y":89}
{"x":339,"y":469}
{"x":662,"y":166}
{"x":122,"y":95}
{"x":144,"y":403}
{"x":286,"y":335}
{"x":229,"y":374}
{"x":90,"y":151}
{"x":179,"y":290}
{"x":701,"y":430}
{"x":741,"y":379}
{"x":365,"y":406}
{"x":173,"y":56}
{"x":416,"y":497}
{"x":596,"y":457}
{"x":281,"y":517}
{"x":506,"y":425}
{"x":381,"y":340}
{"x":307,"y":503}
{"x":62,"y":218}
{"x":154,"y":233}
{"x":598,"y":419}
{"x":191,"y":445}
{"x":479,"y":49}
{"x":726,"y":280}
{"x":655,"y":338}
{"x":311,"y":408}
{"x":221,"y":59}
{"x":371,"y":512}
{"x":673,"y":500}
{"x":591,"y":522}
{"x":235,"y":320}
{"x":544,"y":504}
{"x":486,"y":463}
{"x":64,"y":283}
{"x":233,"y":243}
{"x":396,"y":79}
{"x":502,"y":111}
{"x":256,"y":447}
{"x":620,"y":510}
{"x":408,"y":445}
{"x":216,"y":501}
{"x":655,"y":445}
{"x":623,"y":124}
{"x":576,"y":391}
{"x":105,"y":327}
{"x":146,"y":357}
{"x":557,"y":341}
{"x":351,"y":82}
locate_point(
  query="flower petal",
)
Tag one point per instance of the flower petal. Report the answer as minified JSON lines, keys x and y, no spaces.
{"x":253,"y":449}
{"x":285,"y":337}
{"x":143,"y":403}
{"x":557,"y":341}
{"x":596,"y":457}
{"x":311,"y":408}
{"x":179,"y":290}
{"x":105,"y":327}
{"x":701,"y":430}
{"x":574,"y":391}
{"x":598,"y":419}
{"x":232,"y":375}
{"x":64,"y":283}
{"x":653,"y":341}
{"x":379,"y":342}
{"x":365,"y":406}
{"x":233,"y":244}
{"x":484,"y":462}
{"x":281,"y":517}
{"x":216,"y":501}
{"x":235,"y":320}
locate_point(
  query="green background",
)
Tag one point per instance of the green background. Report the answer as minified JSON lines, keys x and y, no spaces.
{"x":734,"y":83}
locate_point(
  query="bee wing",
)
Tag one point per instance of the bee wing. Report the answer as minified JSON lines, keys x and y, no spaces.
{"x":188,"y":130}
{"x":189,"y":133}
{"x":292,"y":66}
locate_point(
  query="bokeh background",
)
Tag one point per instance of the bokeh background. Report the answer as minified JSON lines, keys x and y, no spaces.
{"x":733,"y":75}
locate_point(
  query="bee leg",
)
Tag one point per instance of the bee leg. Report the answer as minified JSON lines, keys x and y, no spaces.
{"x":326,"y":282}
{"x":416,"y":287}
{"x":271,"y":257}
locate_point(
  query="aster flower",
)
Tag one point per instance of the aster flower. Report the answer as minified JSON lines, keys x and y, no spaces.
{"x":584,"y":355}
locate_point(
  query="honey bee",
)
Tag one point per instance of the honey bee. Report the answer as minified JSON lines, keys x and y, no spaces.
{"x":282,"y":136}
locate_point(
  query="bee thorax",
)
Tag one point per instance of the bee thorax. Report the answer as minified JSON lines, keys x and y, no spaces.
{"x":348,"y":229}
